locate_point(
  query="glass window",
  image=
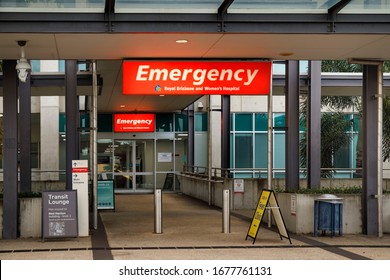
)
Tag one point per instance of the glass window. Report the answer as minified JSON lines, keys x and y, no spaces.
{"x":243,"y":151}
{"x":61,"y":66}
{"x":279,"y":120}
{"x":367,"y":6}
{"x":105,"y":122}
{"x":88,"y":6}
{"x":35,"y":65}
{"x":243,"y":122}
{"x":62,"y":122}
{"x":261,"y":122}
{"x":303,"y":6}
{"x":356,"y":120}
{"x":261,"y":148}
{"x":164,"y":122}
{"x":201,"y":122}
{"x":280,"y":150}
{"x":181,"y":122}
{"x":150,"y":6}
{"x":342,"y":157}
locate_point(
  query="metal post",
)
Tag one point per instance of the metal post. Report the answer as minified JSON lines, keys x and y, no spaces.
{"x":210,"y":150}
{"x":191,"y":138}
{"x":270,"y":150}
{"x":226,"y":211}
{"x":292,"y":123}
{"x":93,"y":138}
{"x":372,"y":149}
{"x":314,"y":126}
{"x":25,"y":135}
{"x":71,"y":118}
{"x":10,"y":153}
{"x":157,"y":211}
{"x":225,"y":134}
{"x":379,"y":147}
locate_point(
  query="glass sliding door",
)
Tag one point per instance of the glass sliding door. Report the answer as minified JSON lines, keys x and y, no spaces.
{"x":133,"y":165}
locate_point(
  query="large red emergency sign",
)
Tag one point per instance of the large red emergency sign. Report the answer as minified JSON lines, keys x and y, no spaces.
{"x":196,"y":78}
{"x":133,"y":122}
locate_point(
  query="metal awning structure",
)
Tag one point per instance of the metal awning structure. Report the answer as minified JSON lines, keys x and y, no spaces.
{"x":112,"y":30}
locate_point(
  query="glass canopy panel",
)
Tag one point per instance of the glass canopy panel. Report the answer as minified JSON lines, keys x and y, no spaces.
{"x":281,"y":6}
{"x":367,"y":7}
{"x":167,"y":6}
{"x":53,"y":6}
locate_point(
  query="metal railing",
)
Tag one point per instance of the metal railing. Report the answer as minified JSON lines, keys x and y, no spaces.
{"x":218,"y":173}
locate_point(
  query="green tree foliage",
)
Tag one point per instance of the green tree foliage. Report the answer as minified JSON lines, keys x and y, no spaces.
{"x":333,"y":137}
{"x":333,"y":124}
{"x":339,"y":103}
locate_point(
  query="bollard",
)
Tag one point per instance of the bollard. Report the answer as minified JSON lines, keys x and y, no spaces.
{"x":157,"y":212}
{"x":226,"y":212}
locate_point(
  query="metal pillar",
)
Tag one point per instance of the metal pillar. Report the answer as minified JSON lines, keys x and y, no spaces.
{"x":292,"y":124}
{"x":372,"y":150}
{"x":314,"y":126}
{"x":71,"y":104}
{"x":93,"y":140}
{"x":225,"y":134}
{"x":10,"y":150}
{"x":157,"y":211}
{"x":191,"y":137}
{"x":25,"y":135}
{"x":226,"y":211}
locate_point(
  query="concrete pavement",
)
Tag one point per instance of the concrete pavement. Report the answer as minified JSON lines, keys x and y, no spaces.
{"x":191,"y":230}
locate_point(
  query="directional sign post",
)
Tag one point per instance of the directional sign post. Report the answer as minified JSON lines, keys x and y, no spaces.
{"x":80,"y":183}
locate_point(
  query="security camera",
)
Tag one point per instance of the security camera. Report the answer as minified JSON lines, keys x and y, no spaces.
{"x":23,"y":67}
{"x":200,"y":105}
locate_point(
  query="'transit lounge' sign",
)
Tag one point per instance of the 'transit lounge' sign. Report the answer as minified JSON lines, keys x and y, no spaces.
{"x":196,"y":77}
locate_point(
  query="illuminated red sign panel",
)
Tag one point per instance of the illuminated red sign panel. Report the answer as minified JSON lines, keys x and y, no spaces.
{"x":133,"y":122}
{"x":197,"y":78}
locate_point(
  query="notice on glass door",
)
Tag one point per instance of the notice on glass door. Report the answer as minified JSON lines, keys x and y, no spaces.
{"x":164,"y":157}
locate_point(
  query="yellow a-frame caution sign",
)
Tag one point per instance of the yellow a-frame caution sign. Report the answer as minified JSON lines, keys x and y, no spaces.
{"x":267,"y":197}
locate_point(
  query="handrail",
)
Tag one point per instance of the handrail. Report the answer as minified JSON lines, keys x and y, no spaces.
{"x":217,"y":172}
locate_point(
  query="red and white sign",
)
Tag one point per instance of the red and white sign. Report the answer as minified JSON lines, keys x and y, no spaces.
{"x":133,"y":122}
{"x":196,"y":77}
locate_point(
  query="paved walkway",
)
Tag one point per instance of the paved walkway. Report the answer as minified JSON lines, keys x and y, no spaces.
{"x":191,"y":230}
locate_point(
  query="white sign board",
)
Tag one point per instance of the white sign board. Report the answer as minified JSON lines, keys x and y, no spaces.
{"x":293,"y":205}
{"x":238,"y":185}
{"x":164,"y":157}
{"x":80,"y":183}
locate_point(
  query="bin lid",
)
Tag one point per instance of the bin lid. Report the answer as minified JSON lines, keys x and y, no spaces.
{"x":329,"y":197}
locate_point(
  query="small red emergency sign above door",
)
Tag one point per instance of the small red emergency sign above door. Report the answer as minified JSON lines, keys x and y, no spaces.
{"x":133,"y":122}
{"x":196,"y":77}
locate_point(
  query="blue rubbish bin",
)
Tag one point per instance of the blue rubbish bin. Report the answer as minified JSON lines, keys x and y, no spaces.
{"x":328,"y":214}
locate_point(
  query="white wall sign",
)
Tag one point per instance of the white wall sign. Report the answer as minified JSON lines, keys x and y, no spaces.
{"x":293,"y":205}
{"x":238,"y":185}
{"x":164,"y":157}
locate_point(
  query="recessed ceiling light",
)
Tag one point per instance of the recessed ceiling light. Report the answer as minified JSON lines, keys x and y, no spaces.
{"x":162,"y":95}
{"x":182,"y":41}
{"x":122,"y":106}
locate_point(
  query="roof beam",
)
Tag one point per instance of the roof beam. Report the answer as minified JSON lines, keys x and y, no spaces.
{"x":334,"y":10}
{"x":109,"y":13}
{"x":223,"y":8}
{"x":96,"y":23}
